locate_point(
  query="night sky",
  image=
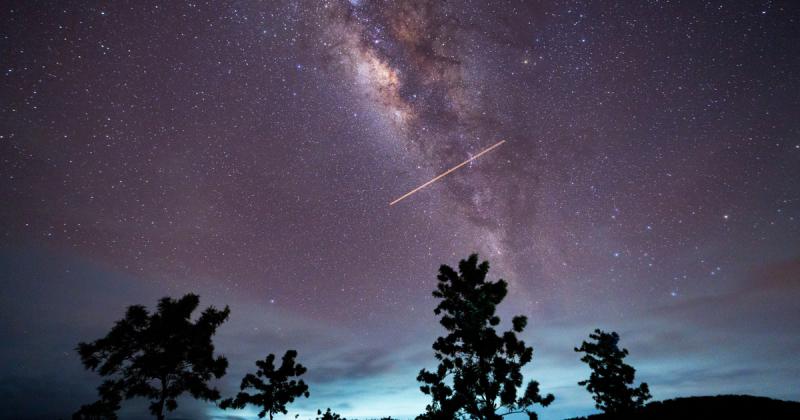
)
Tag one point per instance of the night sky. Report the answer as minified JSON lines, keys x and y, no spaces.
{"x":247,"y":151}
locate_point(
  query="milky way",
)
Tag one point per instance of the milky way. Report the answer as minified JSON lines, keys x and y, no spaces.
{"x":247,"y":151}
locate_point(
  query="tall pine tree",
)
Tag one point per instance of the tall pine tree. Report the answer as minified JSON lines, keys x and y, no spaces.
{"x":159,"y":356}
{"x":611,"y":376}
{"x":479,"y":370}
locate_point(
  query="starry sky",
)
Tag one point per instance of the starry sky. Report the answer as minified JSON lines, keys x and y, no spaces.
{"x":247,"y":151}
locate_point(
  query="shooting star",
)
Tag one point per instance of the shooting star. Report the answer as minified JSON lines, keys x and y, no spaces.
{"x":444,"y":174}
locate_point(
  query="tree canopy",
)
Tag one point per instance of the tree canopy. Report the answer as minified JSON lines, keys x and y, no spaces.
{"x":478,"y":375}
{"x":611,"y":376}
{"x":158,"y":356}
{"x":328,"y":415}
{"x":281,"y":386}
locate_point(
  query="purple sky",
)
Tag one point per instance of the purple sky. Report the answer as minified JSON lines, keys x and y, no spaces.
{"x":247,"y":151}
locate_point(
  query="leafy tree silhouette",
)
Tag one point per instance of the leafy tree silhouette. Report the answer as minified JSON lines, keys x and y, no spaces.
{"x":157,"y":356}
{"x":328,"y":415}
{"x":610,"y":375}
{"x":105,"y":408}
{"x":279,"y":390}
{"x":479,"y":370}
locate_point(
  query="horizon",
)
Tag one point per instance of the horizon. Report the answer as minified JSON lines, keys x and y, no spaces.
{"x":628,"y":167}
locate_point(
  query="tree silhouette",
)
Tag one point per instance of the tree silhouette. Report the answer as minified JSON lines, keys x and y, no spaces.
{"x":611,"y":376}
{"x":277,"y":392}
{"x":329,"y":415}
{"x":479,"y":370}
{"x":103,"y":409}
{"x":157,"y":356}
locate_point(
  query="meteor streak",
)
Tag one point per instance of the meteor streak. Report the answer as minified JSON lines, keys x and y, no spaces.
{"x":444,"y":174}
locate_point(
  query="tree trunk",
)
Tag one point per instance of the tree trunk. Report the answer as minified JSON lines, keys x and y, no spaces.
{"x":160,"y":413}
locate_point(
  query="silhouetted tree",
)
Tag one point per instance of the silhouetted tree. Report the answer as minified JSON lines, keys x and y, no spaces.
{"x":103,"y":409}
{"x":329,"y":415}
{"x":479,"y":370}
{"x":610,"y":375}
{"x":157,"y":356}
{"x":277,"y":392}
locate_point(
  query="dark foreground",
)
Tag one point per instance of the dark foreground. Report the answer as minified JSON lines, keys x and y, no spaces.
{"x":717,"y":407}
